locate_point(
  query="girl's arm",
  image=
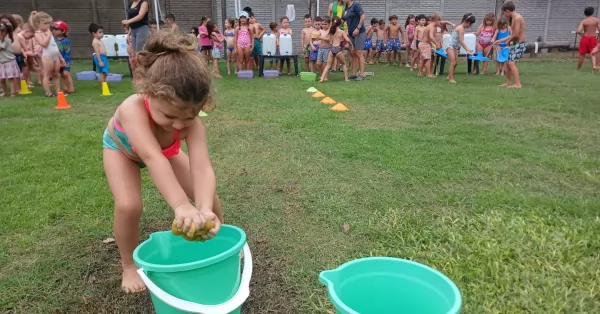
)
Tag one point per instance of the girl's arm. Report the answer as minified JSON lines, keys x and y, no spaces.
{"x":461,"y":39}
{"x":347,"y":39}
{"x":140,"y":16}
{"x":401,"y":35}
{"x":202,"y":33}
{"x":235,"y":36}
{"x":479,"y":29}
{"x":449,"y":23}
{"x":495,"y":36}
{"x":42,"y":39}
{"x":134,"y":120}
{"x":203,"y":175}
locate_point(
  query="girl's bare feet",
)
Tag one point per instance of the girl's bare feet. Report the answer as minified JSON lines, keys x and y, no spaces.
{"x":131,"y":280}
{"x":452,"y":82}
{"x":514,"y":86}
{"x":504,"y":85}
{"x":431,"y":76}
{"x":347,"y":80}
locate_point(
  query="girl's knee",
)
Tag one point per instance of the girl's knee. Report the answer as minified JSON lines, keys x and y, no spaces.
{"x":129,"y":207}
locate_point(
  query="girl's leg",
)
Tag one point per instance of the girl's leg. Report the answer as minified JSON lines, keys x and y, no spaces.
{"x":229,"y":62}
{"x":123,"y":177}
{"x":70,"y":87}
{"x":327,"y":67}
{"x":342,"y":61}
{"x":216,"y":67}
{"x":248,"y":59}
{"x":47,"y":69}
{"x":288,"y":63}
{"x":3,"y":87}
{"x":13,"y":86}
{"x":486,"y":52}
{"x":451,"y":55}
{"x":239,"y":59}
{"x":181,"y":168}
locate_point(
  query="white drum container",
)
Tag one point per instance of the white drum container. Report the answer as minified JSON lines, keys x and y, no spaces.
{"x":470,"y":41}
{"x":285,"y":45}
{"x":269,"y":45}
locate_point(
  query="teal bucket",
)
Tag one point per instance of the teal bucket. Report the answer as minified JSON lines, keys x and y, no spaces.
{"x":386,"y":285}
{"x":196,"y":277}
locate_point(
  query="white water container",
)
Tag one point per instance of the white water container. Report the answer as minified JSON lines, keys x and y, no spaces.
{"x":285,"y":45}
{"x":470,"y":41}
{"x":269,"y":45}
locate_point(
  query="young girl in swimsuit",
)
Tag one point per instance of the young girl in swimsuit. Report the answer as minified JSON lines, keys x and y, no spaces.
{"x":147,"y":130}
{"x":410,"y":36}
{"x":230,"y":37}
{"x":336,"y":36}
{"x":51,"y":58}
{"x":485,"y":34}
{"x":501,"y":35}
{"x":456,"y":41}
{"x":244,"y":40}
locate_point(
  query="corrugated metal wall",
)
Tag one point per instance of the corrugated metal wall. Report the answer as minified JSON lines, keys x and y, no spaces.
{"x":534,"y":12}
{"x":454,"y":10}
{"x":565,"y":17}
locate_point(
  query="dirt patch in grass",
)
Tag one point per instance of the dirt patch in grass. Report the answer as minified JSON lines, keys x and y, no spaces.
{"x":270,"y":290}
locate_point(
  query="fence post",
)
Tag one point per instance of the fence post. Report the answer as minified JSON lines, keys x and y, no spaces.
{"x":94,"y":4}
{"x":33,"y":5}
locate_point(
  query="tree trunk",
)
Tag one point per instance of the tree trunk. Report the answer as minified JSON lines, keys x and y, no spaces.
{"x":312,"y":8}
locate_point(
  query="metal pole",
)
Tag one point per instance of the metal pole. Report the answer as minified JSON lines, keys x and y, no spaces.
{"x":318,"y":5}
{"x":126,"y":5}
{"x":237,"y":10}
{"x":156,"y":4}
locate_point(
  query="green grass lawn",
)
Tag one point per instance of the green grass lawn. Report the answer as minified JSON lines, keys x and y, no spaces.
{"x":499,"y":189}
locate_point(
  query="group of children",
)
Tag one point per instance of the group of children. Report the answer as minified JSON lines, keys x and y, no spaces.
{"x":38,"y":46}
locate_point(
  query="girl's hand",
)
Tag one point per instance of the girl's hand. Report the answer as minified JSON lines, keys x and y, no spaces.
{"x":186,"y":214}
{"x":208,"y":214}
{"x":125,"y":22}
{"x":62,"y":63}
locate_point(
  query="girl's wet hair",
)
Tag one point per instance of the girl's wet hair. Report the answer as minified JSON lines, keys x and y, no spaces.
{"x":7,"y":29}
{"x":18,"y":19}
{"x":502,"y":22}
{"x":410,"y":16}
{"x":202,"y":19}
{"x":336,"y":22}
{"x":210,"y":27}
{"x":231,"y":22}
{"x":469,"y":17}
{"x":490,"y":16}
{"x":13,"y":22}
{"x":37,"y":17}
{"x":283,"y":18}
{"x":170,"y":68}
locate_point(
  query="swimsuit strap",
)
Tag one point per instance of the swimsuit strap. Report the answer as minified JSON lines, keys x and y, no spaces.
{"x":147,"y":105}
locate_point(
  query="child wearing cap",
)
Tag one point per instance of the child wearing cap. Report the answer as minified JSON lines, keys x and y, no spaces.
{"x":59,"y":30}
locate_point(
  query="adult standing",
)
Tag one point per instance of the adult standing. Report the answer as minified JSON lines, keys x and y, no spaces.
{"x":355,"y":17}
{"x":137,"y":19}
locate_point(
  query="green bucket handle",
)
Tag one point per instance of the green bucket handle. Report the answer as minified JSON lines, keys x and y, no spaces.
{"x":227,"y":307}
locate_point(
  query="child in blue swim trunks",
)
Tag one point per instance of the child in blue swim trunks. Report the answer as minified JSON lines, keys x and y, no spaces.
{"x":100,"y":58}
{"x":147,"y":130}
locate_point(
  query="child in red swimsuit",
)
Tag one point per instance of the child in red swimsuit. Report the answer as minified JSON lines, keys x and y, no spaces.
{"x":147,"y":130}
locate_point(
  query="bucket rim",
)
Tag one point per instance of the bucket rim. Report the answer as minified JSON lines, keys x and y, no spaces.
{"x":234,"y":250}
{"x":337,"y":302}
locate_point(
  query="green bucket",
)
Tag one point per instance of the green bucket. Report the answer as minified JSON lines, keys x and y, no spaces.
{"x":386,"y":285}
{"x":196,"y":277}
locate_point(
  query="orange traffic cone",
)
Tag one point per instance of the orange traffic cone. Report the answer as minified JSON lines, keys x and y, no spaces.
{"x":62,"y":101}
{"x":339,"y":107}
{"x":318,"y":95}
{"x":328,"y":101}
